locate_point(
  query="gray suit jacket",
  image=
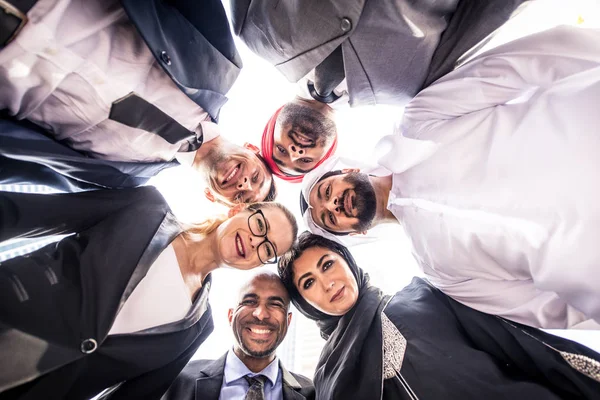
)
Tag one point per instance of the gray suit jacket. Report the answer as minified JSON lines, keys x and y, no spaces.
{"x":202,"y":380}
{"x":388,"y":46}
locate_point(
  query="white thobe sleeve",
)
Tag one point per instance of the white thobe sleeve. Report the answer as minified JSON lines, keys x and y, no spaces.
{"x":519,"y":301}
{"x":504,"y":74}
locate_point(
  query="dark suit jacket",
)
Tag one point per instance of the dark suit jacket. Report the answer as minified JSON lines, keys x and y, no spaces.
{"x":390,"y":48}
{"x":29,"y":157}
{"x":202,"y":58}
{"x":202,"y":380}
{"x":57,"y":301}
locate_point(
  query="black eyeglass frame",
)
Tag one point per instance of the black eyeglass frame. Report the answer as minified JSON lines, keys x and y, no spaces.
{"x":266,"y":239}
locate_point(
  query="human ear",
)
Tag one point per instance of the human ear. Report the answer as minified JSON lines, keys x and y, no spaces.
{"x":209,"y":195}
{"x":346,"y":170}
{"x":289,"y":318}
{"x":252,"y":148}
{"x":230,"y":315}
{"x":236,"y":209}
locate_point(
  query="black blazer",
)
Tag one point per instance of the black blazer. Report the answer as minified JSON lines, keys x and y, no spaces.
{"x":29,"y":157}
{"x":192,"y":42}
{"x":58,"y":303}
{"x":202,"y":380}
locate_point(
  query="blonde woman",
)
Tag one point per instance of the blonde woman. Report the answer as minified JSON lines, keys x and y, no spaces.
{"x":122,"y":303}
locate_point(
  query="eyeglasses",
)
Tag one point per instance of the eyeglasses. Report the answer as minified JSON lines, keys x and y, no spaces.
{"x":258,"y":226}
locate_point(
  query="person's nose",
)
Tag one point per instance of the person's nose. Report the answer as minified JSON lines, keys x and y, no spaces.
{"x":333,"y":205}
{"x":296,"y":152}
{"x":328,"y":285}
{"x":261,"y":312}
{"x":244,"y":183}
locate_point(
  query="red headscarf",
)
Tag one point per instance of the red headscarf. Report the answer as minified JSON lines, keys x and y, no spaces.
{"x":266,"y":150}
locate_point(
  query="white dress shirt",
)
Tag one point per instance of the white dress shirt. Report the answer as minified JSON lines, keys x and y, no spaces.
{"x":500,"y":188}
{"x":71,"y":61}
{"x":234,"y":385}
{"x":160,"y":298}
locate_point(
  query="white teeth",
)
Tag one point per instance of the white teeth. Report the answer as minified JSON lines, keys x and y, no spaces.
{"x":231,"y":175}
{"x":260,"y":331}
{"x":238,"y":243}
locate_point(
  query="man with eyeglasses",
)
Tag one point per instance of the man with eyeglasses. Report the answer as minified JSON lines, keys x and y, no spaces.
{"x":251,"y":369}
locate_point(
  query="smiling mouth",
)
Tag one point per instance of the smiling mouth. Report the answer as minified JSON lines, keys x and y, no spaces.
{"x":239,"y":246}
{"x":349,"y":203}
{"x":232,"y":173}
{"x":338,"y":295}
{"x":302,"y":140}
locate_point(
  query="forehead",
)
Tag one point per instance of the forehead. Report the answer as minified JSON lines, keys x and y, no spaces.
{"x":264,"y":286}
{"x":309,"y":259}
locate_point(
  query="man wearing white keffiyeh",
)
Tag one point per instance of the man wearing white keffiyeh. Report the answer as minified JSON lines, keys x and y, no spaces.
{"x":494,"y":177}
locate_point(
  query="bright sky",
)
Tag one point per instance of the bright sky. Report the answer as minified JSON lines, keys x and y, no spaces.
{"x":257,"y":93}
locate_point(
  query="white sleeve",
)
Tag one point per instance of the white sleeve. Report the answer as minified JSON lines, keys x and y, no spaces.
{"x":519,"y":301}
{"x":505,"y":74}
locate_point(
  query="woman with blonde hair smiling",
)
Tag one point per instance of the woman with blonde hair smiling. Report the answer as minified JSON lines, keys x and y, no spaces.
{"x":122,"y":303}
{"x":420,"y":343}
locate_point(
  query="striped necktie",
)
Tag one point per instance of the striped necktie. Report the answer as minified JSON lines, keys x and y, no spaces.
{"x":257,"y":387}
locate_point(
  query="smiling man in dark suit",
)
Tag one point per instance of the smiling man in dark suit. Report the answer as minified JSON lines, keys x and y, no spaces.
{"x":251,"y":370}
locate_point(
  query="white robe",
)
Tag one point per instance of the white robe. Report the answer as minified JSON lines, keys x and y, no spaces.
{"x":499,"y":188}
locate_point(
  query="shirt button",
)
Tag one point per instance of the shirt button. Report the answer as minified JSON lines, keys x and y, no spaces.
{"x":88,"y":346}
{"x":346,"y":25}
{"x":165,"y":58}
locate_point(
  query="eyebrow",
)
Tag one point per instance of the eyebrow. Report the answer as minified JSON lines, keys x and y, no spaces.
{"x":250,"y":295}
{"x":278,"y":161}
{"x":302,"y":171}
{"x":319,"y":263}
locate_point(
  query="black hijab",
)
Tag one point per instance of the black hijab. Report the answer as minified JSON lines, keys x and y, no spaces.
{"x":350,"y":365}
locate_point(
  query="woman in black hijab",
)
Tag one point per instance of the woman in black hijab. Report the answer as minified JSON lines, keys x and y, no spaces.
{"x":421,"y":344}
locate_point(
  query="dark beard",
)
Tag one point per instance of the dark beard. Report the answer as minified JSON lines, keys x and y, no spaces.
{"x":265,"y":353}
{"x":365,"y":200}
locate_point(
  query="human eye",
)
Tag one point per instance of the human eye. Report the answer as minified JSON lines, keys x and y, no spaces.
{"x":327,"y":264}
{"x":261,"y":225}
{"x":255,"y":177}
{"x":248,"y":302}
{"x":276,"y":304}
{"x":328,"y":191}
{"x":269,"y":251}
{"x":281,"y":149}
{"x":331,"y":219}
{"x":306,"y":160}
{"x":308,"y":283}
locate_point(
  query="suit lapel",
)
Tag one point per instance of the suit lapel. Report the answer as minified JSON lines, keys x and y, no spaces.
{"x":291,"y":387}
{"x":208,"y":387}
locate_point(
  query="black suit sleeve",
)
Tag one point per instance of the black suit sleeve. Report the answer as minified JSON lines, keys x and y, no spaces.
{"x":152,"y":385}
{"x":37,"y":215}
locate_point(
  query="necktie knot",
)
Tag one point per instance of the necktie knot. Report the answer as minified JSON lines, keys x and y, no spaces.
{"x":256,"y":391}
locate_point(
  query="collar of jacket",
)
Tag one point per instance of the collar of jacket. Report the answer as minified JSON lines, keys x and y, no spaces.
{"x":209,"y":385}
